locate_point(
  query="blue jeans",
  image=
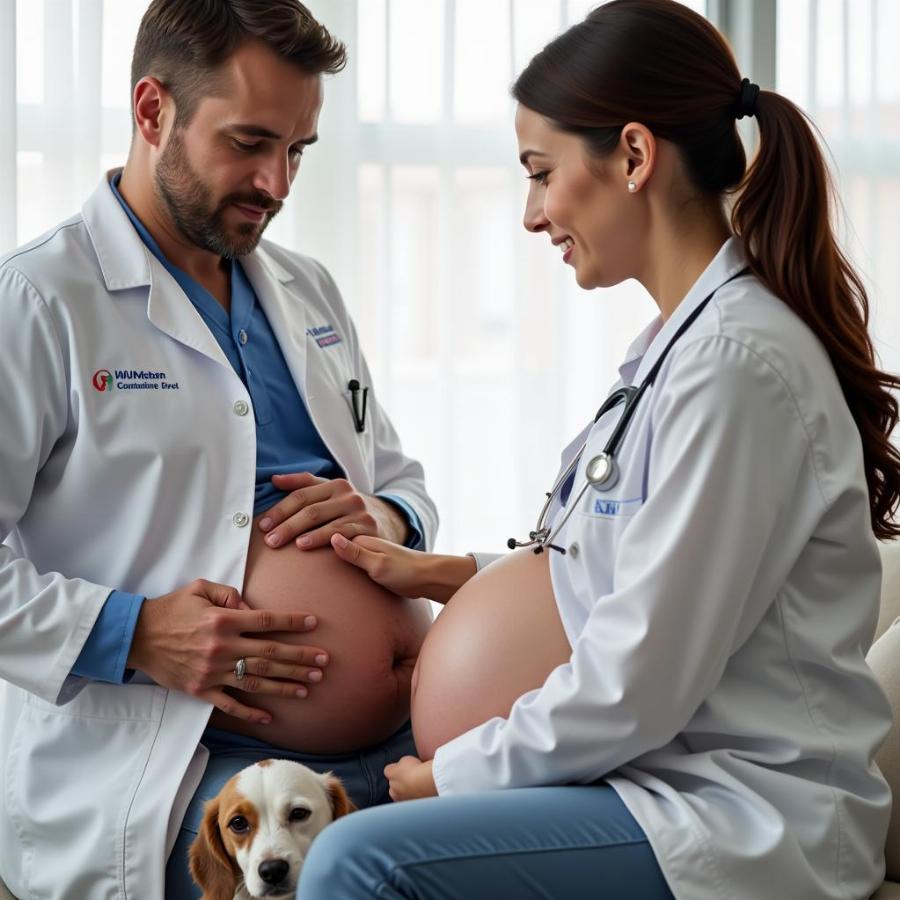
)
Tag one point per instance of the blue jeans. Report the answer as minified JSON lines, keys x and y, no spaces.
{"x":546,"y":843}
{"x":362,"y":774}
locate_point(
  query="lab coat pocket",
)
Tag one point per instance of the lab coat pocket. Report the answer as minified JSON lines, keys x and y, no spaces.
{"x":65,"y":812}
{"x":620,"y":503}
{"x":600,"y":520}
{"x":615,"y":503}
{"x":331,"y":405}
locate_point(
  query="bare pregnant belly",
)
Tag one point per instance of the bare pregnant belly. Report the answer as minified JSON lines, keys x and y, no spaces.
{"x":499,"y":637}
{"x":372,"y":637}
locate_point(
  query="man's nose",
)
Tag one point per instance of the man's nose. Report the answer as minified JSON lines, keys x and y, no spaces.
{"x":273,"y":177}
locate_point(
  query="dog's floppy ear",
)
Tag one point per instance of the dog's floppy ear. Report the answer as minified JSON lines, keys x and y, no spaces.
{"x":341,"y":804}
{"x":211,"y":866}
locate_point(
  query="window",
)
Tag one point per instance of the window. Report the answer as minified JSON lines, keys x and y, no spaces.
{"x":485,"y":352}
{"x":837,"y":59}
{"x":483,"y":349}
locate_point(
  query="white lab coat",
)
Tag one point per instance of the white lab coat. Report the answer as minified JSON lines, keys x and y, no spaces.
{"x":719,"y":599}
{"x":138,"y":490}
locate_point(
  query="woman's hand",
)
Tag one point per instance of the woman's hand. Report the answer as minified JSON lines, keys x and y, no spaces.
{"x":316,"y":508}
{"x":410,"y":779}
{"x":191,"y":640}
{"x":408,"y":573}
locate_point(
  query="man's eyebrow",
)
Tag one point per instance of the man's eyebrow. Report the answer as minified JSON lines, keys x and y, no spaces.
{"x":260,"y":132}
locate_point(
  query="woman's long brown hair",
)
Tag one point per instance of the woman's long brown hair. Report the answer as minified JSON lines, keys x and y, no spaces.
{"x":659,"y":63}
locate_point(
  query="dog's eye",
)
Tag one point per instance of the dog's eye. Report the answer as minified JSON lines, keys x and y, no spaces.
{"x":239,"y":825}
{"x":299,"y":814}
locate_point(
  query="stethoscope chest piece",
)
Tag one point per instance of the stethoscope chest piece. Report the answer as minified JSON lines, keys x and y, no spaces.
{"x":602,"y":472}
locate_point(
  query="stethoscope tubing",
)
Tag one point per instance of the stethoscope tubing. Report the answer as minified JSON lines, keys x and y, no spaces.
{"x":631,"y":396}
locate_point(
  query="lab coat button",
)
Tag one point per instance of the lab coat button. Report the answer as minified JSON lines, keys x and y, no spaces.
{"x":573,"y":551}
{"x":241,"y":407}
{"x":242,"y":336}
{"x":240,"y":519}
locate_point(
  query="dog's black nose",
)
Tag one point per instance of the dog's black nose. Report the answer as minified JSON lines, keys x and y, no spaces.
{"x":272,"y":871}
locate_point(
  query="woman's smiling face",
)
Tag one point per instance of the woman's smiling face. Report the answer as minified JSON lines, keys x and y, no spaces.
{"x":583,"y":204}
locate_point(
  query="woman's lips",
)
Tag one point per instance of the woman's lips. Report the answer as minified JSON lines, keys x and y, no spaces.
{"x":567,"y":245}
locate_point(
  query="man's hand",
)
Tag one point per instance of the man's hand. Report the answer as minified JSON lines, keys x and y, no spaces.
{"x":410,"y":779}
{"x":317,"y":508}
{"x":191,"y":640}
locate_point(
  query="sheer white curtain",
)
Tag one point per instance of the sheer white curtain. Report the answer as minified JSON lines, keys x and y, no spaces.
{"x":485,"y":352}
{"x":838,"y":59}
{"x":69,"y":67}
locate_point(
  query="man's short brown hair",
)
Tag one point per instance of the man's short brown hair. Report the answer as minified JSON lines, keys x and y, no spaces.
{"x":184,"y":42}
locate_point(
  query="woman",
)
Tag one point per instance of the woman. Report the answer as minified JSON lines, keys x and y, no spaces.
{"x":712,"y":729}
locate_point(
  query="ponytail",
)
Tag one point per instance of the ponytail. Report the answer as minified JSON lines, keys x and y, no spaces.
{"x":783,"y":217}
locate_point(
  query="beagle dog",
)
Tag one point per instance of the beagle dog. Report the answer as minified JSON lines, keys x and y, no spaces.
{"x":256,"y":832}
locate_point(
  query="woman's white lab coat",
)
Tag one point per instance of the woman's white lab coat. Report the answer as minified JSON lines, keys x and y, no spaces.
{"x":720,"y":600}
{"x":140,"y":489}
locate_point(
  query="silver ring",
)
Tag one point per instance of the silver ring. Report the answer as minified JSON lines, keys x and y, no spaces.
{"x":240,"y":669}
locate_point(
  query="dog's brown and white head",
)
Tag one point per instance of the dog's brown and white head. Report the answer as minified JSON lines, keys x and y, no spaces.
{"x":255,"y":834}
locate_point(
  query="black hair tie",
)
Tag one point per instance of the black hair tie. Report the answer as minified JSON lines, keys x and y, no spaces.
{"x":746,"y":104}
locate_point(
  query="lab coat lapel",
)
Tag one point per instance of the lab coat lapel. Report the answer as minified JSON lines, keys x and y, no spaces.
{"x":639,"y":346}
{"x":172,"y":312}
{"x":318,"y":379}
{"x":127,"y":264}
{"x":286,"y":314}
{"x":726,"y":263}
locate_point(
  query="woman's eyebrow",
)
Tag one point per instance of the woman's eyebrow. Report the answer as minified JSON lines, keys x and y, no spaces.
{"x":527,"y":154}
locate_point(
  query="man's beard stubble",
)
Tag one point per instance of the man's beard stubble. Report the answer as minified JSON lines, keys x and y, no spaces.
{"x":190,"y":205}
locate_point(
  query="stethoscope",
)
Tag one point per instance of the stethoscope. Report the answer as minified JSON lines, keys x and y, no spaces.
{"x":602,"y":472}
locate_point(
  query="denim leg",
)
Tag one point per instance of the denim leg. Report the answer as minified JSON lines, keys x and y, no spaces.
{"x":179,"y":884}
{"x":219,"y":768}
{"x":549,"y":843}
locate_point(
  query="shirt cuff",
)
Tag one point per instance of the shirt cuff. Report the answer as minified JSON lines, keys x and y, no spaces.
{"x":482,"y":560}
{"x":416,"y":538}
{"x":105,"y":651}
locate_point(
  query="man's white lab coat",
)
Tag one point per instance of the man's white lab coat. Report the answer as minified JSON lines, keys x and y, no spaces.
{"x":140,"y":489}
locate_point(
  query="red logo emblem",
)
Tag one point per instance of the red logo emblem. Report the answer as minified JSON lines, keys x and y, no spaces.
{"x":102,"y":380}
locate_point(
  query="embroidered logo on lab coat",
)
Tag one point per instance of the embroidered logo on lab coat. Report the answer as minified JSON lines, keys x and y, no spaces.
{"x":325,"y":335}
{"x":132,"y":380}
{"x":606,"y":507}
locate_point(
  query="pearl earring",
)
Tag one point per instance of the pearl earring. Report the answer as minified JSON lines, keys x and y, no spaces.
{"x":632,"y":186}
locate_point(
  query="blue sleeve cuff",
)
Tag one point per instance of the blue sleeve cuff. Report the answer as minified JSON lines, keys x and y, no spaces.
{"x":416,"y":539}
{"x":105,"y":652}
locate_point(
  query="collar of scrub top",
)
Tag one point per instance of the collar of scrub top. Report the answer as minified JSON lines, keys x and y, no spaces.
{"x":125,"y":263}
{"x":122,"y":255}
{"x":601,"y":471}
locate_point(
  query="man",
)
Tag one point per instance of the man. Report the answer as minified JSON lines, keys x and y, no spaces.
{"x":155,"y":357}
